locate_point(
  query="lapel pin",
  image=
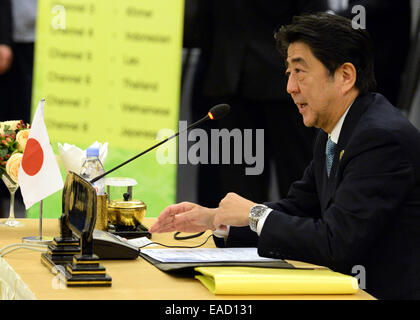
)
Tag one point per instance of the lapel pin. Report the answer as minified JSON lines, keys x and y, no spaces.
{"x":341,"y":154}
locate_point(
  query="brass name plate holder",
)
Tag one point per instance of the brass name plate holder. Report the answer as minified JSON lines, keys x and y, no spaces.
{"x":71,"y":253}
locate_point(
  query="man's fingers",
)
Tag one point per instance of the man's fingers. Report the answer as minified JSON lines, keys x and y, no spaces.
{"x":166,"y":219}
{"x":176,"y":209}
{"x":159,"y":227}
{"x":183,"y":217}
{"x":183,"y":222}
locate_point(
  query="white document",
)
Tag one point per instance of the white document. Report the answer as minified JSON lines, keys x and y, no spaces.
{"x":206,"y":255}
{"x":142,"y":241}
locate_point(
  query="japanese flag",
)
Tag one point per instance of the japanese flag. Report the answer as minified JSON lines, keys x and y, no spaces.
{"x":39,"y":174}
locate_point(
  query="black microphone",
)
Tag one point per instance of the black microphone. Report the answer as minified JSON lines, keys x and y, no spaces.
{"x":217,"y":112}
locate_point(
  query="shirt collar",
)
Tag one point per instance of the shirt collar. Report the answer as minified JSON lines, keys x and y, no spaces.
{"x":335,"y":133}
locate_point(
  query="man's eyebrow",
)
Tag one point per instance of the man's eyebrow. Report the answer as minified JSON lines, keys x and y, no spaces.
{"x":297,"y":60}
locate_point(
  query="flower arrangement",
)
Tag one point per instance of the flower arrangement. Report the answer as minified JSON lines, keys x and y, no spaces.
{"x":13,"y":137}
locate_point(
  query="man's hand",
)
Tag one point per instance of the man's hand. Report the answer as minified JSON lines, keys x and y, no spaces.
{"x":6,"y":58}
{"x":233,"y":211}
{"x":184,"y":217}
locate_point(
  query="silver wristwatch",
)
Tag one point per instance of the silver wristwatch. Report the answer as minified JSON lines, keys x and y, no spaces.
{"x":255,"y":214}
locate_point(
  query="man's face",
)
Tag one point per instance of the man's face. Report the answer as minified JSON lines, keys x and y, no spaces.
{"x":312,"y":88}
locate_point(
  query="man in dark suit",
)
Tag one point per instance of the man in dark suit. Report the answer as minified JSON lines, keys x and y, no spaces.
{"x":358,"y":202}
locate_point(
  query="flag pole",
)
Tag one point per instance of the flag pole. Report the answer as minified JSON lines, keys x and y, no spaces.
{"x":38,"y":239}
{"x":41,"y":155}
{"x":40,"y":220}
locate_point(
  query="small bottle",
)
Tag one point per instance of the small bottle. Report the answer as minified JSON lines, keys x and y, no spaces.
{"x":92,"y":167}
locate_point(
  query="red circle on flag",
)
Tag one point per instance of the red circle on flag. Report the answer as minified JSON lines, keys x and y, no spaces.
{"x":34,"y":157}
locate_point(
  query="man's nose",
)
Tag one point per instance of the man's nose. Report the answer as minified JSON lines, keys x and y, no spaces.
{"x":292,"y":85}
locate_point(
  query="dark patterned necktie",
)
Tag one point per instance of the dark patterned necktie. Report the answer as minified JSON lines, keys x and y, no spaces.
{"x":329,"y":151}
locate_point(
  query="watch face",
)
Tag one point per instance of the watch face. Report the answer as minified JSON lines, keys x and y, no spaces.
{"x":258,"y":211}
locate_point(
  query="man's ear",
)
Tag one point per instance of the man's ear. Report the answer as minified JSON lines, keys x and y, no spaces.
{"x":347,"y":74}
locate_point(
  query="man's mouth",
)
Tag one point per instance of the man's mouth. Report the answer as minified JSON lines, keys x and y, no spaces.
{"x":301,"y":105}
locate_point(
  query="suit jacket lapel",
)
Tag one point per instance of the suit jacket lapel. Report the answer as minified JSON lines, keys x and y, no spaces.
{"x":353,"y":116}
{"x":358,"y":107}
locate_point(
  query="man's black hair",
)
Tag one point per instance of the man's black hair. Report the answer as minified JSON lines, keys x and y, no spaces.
{"x":333,"y":41}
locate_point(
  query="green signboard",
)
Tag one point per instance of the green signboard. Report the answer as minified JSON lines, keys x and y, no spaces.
{"x":110,"y":72}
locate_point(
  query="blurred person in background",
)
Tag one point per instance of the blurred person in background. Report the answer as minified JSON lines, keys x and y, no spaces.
{"x":409,"y":97}
{"x":6,"y":54}
{"x":17,"y":29}
{"x":388,"y":23}
{"x":239,"y":65}
{"x":17,"y":37}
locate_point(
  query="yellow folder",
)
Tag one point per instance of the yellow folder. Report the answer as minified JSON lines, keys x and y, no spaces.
{"x":252,"y":280}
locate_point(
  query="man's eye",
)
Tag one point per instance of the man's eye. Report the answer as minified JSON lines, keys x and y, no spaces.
{"x":297,"y":70}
